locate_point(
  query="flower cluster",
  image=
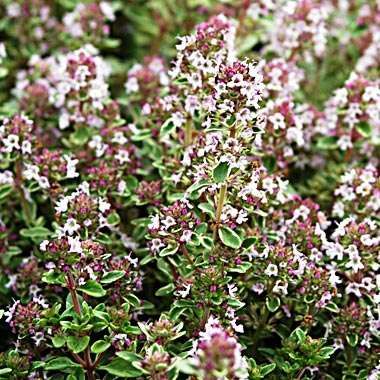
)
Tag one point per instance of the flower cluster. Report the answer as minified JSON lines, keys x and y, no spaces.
{"x":147,"y":81}
{"x":297,"y":25}
{"x":358,"y":193}
{"x":172,"y":227}
{"x":16,"y":136}
{"x":212,"y":218}
{"x":88,"y":21}
{"x":352,"y":114}
{"x":217,"y":353}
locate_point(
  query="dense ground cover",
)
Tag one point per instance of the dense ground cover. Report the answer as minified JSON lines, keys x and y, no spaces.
{"x":189,"y":190}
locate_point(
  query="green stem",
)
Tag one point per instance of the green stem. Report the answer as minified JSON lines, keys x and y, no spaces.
{"x":24,"y":202}
{"x":86,"y":363}
{"x":188,"y":132}
{"x":222,"y":196}
{"x":263,"y":321}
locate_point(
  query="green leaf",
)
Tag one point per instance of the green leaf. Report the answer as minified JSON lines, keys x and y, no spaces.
{"x":168,"y":289}
{"x":38,"y":364}
{"x":35,"y":232}
{"x":81,"y":135}
{"x":122,"y":368}
{"x":300,"y":334}
{"x":327,"y":142}
{"x":352,"y":340}
{"x":264,"y":370}
{"x":167,"y":128}
{"x":103,"y":238}
{"x":53,"y":278}
{"x":207,"y":208}
{"x":327,"y":351}
{"x":184,"y":366}
{"x":132,"y":183}
{"x":133,"y":300}
{"x":113,"y":218}
{"x":170,"y":250}
{"x":249,"y":242}
{"x":241,"y":268}
{"x":332,"y":307}
{"x":221,"y":172}
{"x":93,"y":289}
{"x":77,"y":344}
{"x":270,"y":163}
{"x":3,"y":72}
{"x":229,"y":237}
{"x":3,"y":371}
{"x":58,"y":341}
{"x":62,"y":363}
{"x":100,"y":346}
{"x":5,"y":190}
{"x":129,"y":356}
{"x":260,"y":212}
{"x":198,"y":185}
{"x":273,"y":303}
{"x":113,"y":276}
{"x":364,"y":128}
{"x":235,"y":303}
{"x":78,"y":374}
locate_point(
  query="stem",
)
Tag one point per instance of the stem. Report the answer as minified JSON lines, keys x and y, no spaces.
{"x":349,"y":355}
{"x":263,"y":321}
{"x":87,"y":363}
{"x":24,"y":202}
{"x":183,"y":249}
{"x":79,"y":360}
{"x":103,"y":354}
{"x":300,"y":373}
{"x":222,"y":196}
{"x":174,"y":271}
{"x":71,"y":286}
{"x":233,"y":131}
{"x":188,"y":132}
{"x":205,"y":316}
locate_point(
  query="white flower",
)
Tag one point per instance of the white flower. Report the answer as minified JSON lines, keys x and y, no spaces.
{"x":186,"y":292}
{"x":11,"y":142}
{"x":103,"y":205}
{"x":62,"y":204}
{"x":355,"y":263}
{"x":281,"y":287}
{"x":157,"y":245}
{"x":132,"y":85}
{"x":43,"y":182}
{"x":75,"y":244}
{"x":26,"y":147}
{"x":44,"y":245}
{"x":38,"y":338}
{"x":31,"y":172}
{"x":64,"y":120}
{"x":155,"y":225}
{"x":71,"y":166}
{"x":232,"y":289}
{"x":123,"y":157}
{"x":168,"y":222}
{"x":367,"y":240}
{"x":40,"y":300}
{"x":71,"y":226}
{"x":271,"y":270}
{"x":186,"y":236}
